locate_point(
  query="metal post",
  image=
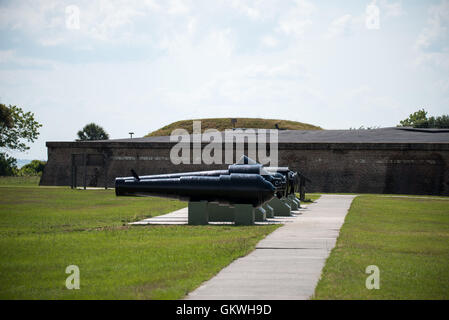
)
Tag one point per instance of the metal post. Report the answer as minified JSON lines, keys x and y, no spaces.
{"x":105,"y":173}
{"x":72,"y":172}
{"x":302,"y":188}
{"x":75,"y":174}
{"x":85,"y":170}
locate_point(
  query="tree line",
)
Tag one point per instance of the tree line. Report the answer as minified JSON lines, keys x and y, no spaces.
{"x":419,"y":119}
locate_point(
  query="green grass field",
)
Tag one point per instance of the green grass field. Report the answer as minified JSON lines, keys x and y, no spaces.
{"x":20,"y":181}
{"x":44,"y":230}
{"x":407,"y":238}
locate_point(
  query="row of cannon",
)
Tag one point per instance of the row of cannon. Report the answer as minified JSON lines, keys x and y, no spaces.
{"x":244,"y":193}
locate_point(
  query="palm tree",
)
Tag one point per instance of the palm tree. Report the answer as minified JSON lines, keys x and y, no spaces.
{"x":92,"y":131}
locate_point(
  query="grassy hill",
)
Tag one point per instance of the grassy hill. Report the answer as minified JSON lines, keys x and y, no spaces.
{"x":225,"y":123}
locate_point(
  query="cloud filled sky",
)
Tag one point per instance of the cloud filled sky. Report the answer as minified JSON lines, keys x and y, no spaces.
{"x":138,"y":65}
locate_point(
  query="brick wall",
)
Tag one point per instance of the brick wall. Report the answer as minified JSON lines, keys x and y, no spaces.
{"x":420,"y":168}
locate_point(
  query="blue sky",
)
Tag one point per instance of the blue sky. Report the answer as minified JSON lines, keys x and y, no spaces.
{"x":141,"y":64}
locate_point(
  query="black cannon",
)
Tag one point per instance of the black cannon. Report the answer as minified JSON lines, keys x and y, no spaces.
{"x":236,"y":193}
{"x":245,"y":181}
{"x":226,"y":189}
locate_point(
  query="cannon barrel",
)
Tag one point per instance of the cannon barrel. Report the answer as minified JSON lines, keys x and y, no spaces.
{"x":276,"y":179}
{"x":256,"y":168}
{"x":210,"y":173}
{"x":227,"y":189}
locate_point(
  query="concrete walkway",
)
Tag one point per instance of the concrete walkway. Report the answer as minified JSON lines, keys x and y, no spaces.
{"x":286,"y":264}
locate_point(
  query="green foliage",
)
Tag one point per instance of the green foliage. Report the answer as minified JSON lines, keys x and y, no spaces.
{"x":438,"y":122}
{"x":5,"y":117}
{"x":34,"y":168}
{"x":16,"y":126}
{"x":414,"y":119}
{"x":93,"y":131}
{"x":419,"y":119}
{"x":222,"y":124}
{"x":8,"y":165}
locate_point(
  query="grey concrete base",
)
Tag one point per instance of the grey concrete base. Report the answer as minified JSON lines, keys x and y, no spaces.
{"x":280,"y":208}
{"x":218,"y":213}
{"x":268,"y":210}
{"x":298,"y":202}
{"x":179,"y":217}
{"x":244,"y":214}
{"x":286,"y":264}
{"x":260,"y":214}
{"x":293,"y":204}
{"x":295,"y":201}
{"x":198,"y":213}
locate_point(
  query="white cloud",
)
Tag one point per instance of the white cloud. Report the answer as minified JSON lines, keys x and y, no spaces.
{"x":249,"y":9}
{"x":269,"y":41}
{"x":432,"y":44}
{"x":10,"y":57}
{"x":353,"y":24}
{"x":393,"y":9}
{"x":437,"y":26}
{"x":191,"y":25}
{"x":340,"y":26}
{"x":289,"y":69}
{"x":178,"y":7}
{"x":100,"y":20}
{"x":346,"y":25}
{"x":218,"y":58}
{"x":256,"y":10}
{"x":298,"y":18}
{"x":250,"y":85}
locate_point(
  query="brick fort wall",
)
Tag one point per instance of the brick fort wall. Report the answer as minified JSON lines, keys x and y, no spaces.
{"x":397,"y":168}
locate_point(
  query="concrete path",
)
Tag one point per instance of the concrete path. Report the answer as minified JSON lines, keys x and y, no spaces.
{"x":286,"y":264}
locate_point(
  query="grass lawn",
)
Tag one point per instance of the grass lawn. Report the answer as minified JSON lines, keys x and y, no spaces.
{"x":19,"y":181}
{"x":310,"y":197}
{"x":407,"y":238}
{"x":44,"y":230}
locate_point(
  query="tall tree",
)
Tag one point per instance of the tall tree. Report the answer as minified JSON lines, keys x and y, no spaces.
{"x":93,"y":131}
{"x":17,"y":128}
